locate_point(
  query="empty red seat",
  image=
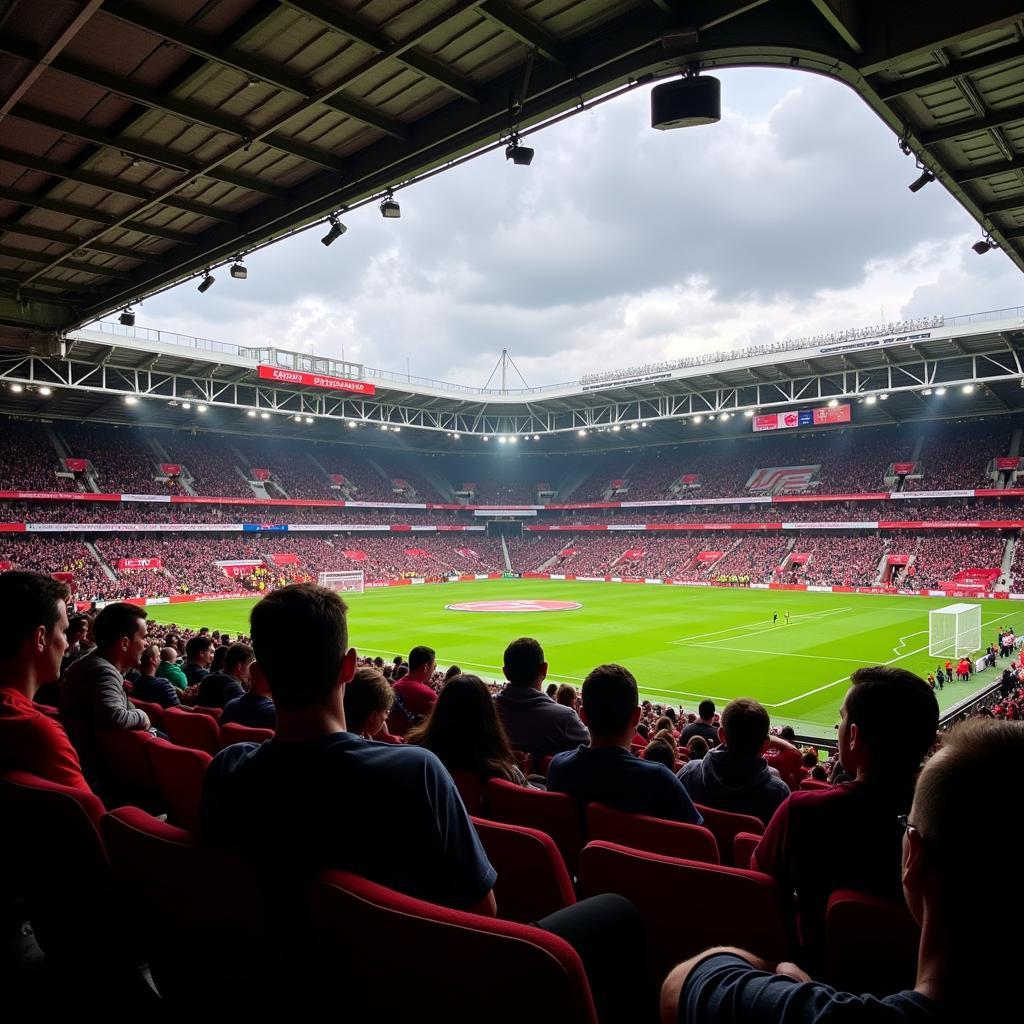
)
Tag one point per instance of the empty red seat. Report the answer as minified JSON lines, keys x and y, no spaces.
{"x":687,"y":905}
{"x":744,"y":845}
{"x":870,"y":944}
{"x":532,"y":878}
{"x":206,"y":917}
{"x":507,"y":972}
{"x":154,"y":711}
{"x":553,"y":813}
{"x":656,"y":835}
{"x":193,"y":729}
{"x":128,"y":774}
{"x":179,"y":774}
{"x":234,"y":732}
{"x":471,"y":789}
{"x":726,"y":826}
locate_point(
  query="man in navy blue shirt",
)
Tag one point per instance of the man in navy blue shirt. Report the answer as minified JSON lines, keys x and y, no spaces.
{"x":962,"y":822}
{"x":606,"y":772}
{"x":317,"y":796}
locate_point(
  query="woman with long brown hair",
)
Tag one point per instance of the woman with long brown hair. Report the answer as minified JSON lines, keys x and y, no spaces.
{"x":464,"y":731}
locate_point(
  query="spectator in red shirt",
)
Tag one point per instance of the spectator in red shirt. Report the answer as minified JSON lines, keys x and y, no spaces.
{"x":414,"y":699}
{"x":848,"y":837}
{"x":33,"y":609}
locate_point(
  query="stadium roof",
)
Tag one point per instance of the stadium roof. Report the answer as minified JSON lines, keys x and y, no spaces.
{"x":958,"y":367}
{"x":146,"y":140}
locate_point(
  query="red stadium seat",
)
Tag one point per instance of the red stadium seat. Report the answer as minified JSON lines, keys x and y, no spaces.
{"x":154,"y":712}
{"x":179,"y":774}
{"x":205,"y":915}
{"x":553,"y":813}
{"x":190,"y":729}
{"x":507,"y":973}
{"x":214,"y":713}
{"x":532,"y":879}
{"x":814,"y":784}
{"x":725,"y":906}
{"x":726,"y":826}
{"x":51,"y":835}
{"x":471,"y":789}
{"x":886,"y":963}
{"x":656,"y":835}
{"x":744,"y":844}
{"x":233,"y":732}
{"x":128,"y":772}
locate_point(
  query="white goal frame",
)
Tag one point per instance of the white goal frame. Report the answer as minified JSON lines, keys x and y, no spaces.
{"x":348,"y":582}
{"x":954,"y":630}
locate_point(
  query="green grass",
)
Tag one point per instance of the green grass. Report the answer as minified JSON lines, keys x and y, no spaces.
{"x":681,"y":643}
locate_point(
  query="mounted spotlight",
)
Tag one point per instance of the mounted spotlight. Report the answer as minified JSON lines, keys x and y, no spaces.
{"x":45,"y":391}
{"x":251,"y":414}
{"x":519,"y":154}
{"x":926,"y":177}
{"x":337,"y":229}
{"x":389,"y":206}
{"x":309,"y":419}
{"x":239,"y":271}
{"x":982,"y":247}
{"x":687,"y":102}
{"x":127,"y":318}
{"x":206,"y":284}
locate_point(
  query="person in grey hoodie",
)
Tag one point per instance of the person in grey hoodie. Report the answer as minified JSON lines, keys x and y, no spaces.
{"x":534,"y":722}
{"x":92,"y":695}
{"x":735,"y":777}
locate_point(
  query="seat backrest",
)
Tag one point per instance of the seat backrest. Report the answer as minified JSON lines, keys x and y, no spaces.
{"x":179,"y":774}
{"x":532,"y":878}
{"x":234,"y":732}
{"x":51,"y":834}
{"x":154,"y":711}
{"x":193,"y":729}
{"x":127,"y":771}
{"x":553,"y":813}
{"x":656,"y":835}
{"x":870,"y":944}
{"x":807,"y":784}
{"x":205,"y":914}
{"x":507,"y":972}
{"x":470,"y":788}
{"x":689,"y":906}
{"x":743,"y":846}
{"x":725,"y":825}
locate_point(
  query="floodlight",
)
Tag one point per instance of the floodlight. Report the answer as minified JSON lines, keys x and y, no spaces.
{"x":239,"y":271}
{"x":45,"y":391}
{"x":967,"y":389}
{"x":581,"y":433}
{"x":251,"y":414}
{"x":186,"y":405}
{"x":309,"y":419}
{"x":389,"y":207}
{"x":686,"y":102}
{"x":130,"y":400}
{"x":833,"y":402}
{"x":17,"y":389}
{"x":520,"y":155}
{"x":352,"y":423}
{"x":940,"y":391}
{"x":871,"y":399}
{"x":985,"y":245}
{"x":207,"y":283}
{"x":919,"y":183}
{"x":698,"y":418}
{"x":337,"y":229}
{"x":264,"y":415}
{"x":127,"y":318}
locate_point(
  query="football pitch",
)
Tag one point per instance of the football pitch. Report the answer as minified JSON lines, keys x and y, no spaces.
{"x":681,"y":643}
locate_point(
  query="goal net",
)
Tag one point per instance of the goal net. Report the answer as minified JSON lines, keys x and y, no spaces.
{"x":342,"y":581}
{"x":954,"y":630}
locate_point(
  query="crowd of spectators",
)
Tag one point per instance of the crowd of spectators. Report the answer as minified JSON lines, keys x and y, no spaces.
{"x":28,"y":461}
{"x":123,"y":462}
{"x":939,"y":558}
{"x":958,"y":457}
{"x":837,"y":560}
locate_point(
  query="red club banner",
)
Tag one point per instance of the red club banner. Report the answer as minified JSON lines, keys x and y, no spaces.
{"x":400,"y":484}
{"x":1007,"y":462}
{"x":709,"y":556}
{"x":6,"y":566}
{"x":139,"y":563}
{"x":170,"y":469}
{"x":337,"y":478}
{"x":903,"y":468}
{"x":76,"y":465}
{"x":260,"y":474}
{"x":315,"y":380}
{"x":690,"y":479}
{"x":285,"y":559}
{"x":356,"y":556}
{"x":417,"y":553}
{"x":898,"y":559}
{"x":616,"y":484}
{"x":469,"y":486}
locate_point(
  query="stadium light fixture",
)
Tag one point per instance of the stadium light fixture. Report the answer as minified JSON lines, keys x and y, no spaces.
{"x":45,"y":391}
{"x":883,"y":398}
{"x":698,"y":418}
{"x":749,"y":413}
{"x":694,"y":100}
{"x":520,"y":155}
{"x":983,"y":246}
{"x":297,"y":418}
{"x":130,"y":400}
{"x":207,"y":283}
{"x":924,"y":179}
{"x":384,"y":427}
{"x":127,"y":318}
{"x":389,"y":207}
{"x":503,"y":439}
{"x":536,"y":437}
{"x":251,"y":414}
{"x":967,"y":389}
{"x":940,"y":391}
{"x":486,"y":438}
{"x":724,"y":416}
{"x":833,"y":402}
{"x":711,"y":417}
{"x":634,"y":426}
{"x":396,"y":430}
{"x":643,"y":423}
{"x":239,"y":271}
{"x":17,"y":389}
{"x":352,"y":424}
{"x":455,"y":437}
{"x":186,"y":405}
{"x":871,"y":399}
{"x":201,"y":407}
{"x":513,"y":439}
{"x":309,"y":419}
{"x":264,"y":415}
{"x":616,"y":428}
{"x":581,"y":433}
{"x":336,"y":230}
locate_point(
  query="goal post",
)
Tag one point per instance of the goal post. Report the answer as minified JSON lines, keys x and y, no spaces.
{"x":344,"y":582}
{"x":954,"y":630}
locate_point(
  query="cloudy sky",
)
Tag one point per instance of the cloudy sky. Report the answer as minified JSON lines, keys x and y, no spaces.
{"x":622,"y":245}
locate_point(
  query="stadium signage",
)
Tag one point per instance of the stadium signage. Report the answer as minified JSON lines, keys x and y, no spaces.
{"x":315,"y":380}
{"x":139,"y":563}
{"x":646,"y":378}
{"x":802,"y":418}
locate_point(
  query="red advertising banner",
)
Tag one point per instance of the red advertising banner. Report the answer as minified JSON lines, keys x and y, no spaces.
{"x":240,"y":568}
{"x":356,"y":556}
{"x":633,"y":553}
{"x":903,"y":468}
{"x":690,"y":479}
{"x":798,"y":559}
{"x":400,"y":484}
{"x":831,"y":414}
{"x":76,"y":465}
{"x":709,"y":556}
{"x":260,"y":474}
{"x":6,"y":566}
{"x":616,"y":484}
{"x":139,"y":563}
{"x":1005,"y":462}
{"x":170,"y":469}
{"x":898,"y":559}
{"x":337,"y":478}
{"x":315,"y":380}
{"x":285,"y":559}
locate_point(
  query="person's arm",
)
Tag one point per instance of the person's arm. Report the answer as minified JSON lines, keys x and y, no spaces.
{"x":61,"y":760}
{"x":111,"y":709}
{"x":770,"y":854}
{"x":488,"y":906}
{"x":678,"y":800}
{"x":575,"y":731}
{"x":170,"y":695}
{"x":672,"y":987}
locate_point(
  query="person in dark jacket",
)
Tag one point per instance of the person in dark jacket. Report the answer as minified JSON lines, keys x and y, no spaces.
{"x":151,"y":687}
{"x":198,"y":657}
{"x":217,"y":688}
{"x":736,"y":777}
{"x":255,"y":708}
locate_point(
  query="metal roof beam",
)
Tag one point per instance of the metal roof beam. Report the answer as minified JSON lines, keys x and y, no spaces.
{"x":67,"y":238}
{"x":954,"y":69}
{"x":1003,"y":205}
{"x":525,"y":30}
{"x":30,"y":256}
{"x":213,"y":49}
{"x":114,"y":185}
{"x":846,"y":18}
{"x":353,"y":27}
{"x":980,"y":171}
{"x":993,"y":119}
